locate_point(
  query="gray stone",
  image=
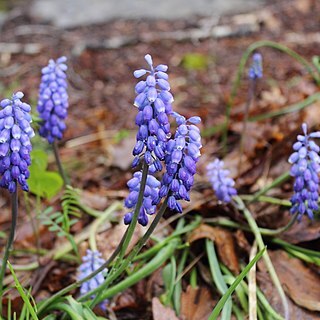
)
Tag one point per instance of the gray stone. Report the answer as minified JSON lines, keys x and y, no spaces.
{"x":72,"y":13}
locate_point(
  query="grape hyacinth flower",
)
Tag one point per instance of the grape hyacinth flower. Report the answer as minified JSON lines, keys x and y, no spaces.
{"x":305,"y":168}
{"x":150,"y":199}
{"x":15,"y":145}
{"x":90,"y":263}
{"x":153,"y":101}
{"x":255,"y":70}
{"x":53,"y":100}
{"x":182,"y":154}
{"x":222,"y":184}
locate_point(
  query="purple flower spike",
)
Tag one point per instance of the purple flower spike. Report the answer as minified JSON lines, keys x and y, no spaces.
{"x":222,"y":184}
{"x":255,"y":71}
{"x":182,"y":154}
{"x":15,"y":145}
{"x":90,"y":263}
{"x":305,"y":168}
{"x":53,"y":100}
{"x":150,"y":199}
{"x":153,"y":101}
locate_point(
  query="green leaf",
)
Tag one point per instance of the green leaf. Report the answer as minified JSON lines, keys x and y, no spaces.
{"x":218,"y":279}
{"x":216,"y":311}
{"x":43,"y":183}
{"x":39,"y":160}
{"x":195,"y":61}
{"x":25,"y":297}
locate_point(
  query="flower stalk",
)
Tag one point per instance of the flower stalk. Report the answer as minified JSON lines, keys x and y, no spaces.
{"x":14,"y":216}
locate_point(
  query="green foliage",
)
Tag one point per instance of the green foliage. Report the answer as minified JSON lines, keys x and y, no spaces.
{"x":316,"y":62}
{"x":218,"y":278}
{"x":29,"y":311}
{"x":77,"y":310}
{"x":70,"y":207}
{"x":169,"y":276}
{"x":216,"y":311}
{"x":195,"y":61}
{"x":60,"y":224}
{"x":121,"y":135}
{"x":43,"y":183}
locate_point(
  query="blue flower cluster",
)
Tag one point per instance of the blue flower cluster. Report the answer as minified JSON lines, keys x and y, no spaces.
{"x":255,"y":70}
{"x":150,"y":199}
{"x":90,"y":263}
{"x":222,"y":184}
{"x":305,"y":168}
{"x":15,"y":145}
{"x":153,"y":101}
{"x":182,"y":154}
{"x":53,"y":100}
{"x":156,"y":145}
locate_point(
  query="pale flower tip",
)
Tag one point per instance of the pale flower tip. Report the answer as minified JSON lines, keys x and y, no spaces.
{"x":148,"y":58}
{"x":304,"y":128}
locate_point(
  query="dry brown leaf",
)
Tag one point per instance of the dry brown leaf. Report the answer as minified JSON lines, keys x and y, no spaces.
{"x":224,"y":242}
{"x":109,"y":240}
{"x":122,"y":153}
{"x":160,"y":312}
{"x":300,"y":283}
{"x":196,"y":303}
{"x":303,"y":231}
{"x":271,"y":293}
{"x":94,"y":200}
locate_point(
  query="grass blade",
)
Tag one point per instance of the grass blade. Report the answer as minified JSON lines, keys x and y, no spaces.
{"x":216,"y":311}
{"x":23,"y":295}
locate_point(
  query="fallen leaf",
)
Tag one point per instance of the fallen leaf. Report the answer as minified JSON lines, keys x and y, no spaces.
{"x":196,"y":303}
{"x":224,"y":242}
{"x":271,"y":293}
{"x":122,"y":153}
{"x":94,"y":200}
{"x":108,"y":241}
{"x":160,"y":312}
{"x":299,"y":282}
{"x":302,"y":231}
{"x":126,"y":299}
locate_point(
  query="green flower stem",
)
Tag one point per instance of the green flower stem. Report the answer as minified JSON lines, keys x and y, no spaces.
{"x":272,"y":200}
{"x":53,"y":299}
{"x":278,"y":181}
{"x":309,"y":67}
{"x":251,"y":96}
{"x":154,"y":264}
{"x":264,"y":231}
{"x":135,"y":217}
{"x":59,"y":164}
{"x":292,"y":108}
{"x":252,"y":223}
{"x":136,"y":249}
{"x":14,"y":216}
{"x":296,"y":248}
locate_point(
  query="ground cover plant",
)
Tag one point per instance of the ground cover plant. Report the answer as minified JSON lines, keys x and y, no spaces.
{"x":188,"y":228}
